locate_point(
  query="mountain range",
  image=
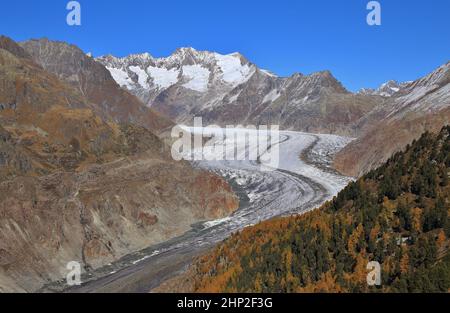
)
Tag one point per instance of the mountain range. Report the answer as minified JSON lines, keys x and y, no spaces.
{"x":230,"y":90}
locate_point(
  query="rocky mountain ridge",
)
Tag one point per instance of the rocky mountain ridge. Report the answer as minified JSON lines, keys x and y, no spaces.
{"x":94,"y":82}
{"x":422,"y":105}
{"x":81,"y":178}
{"x":228,"y":89}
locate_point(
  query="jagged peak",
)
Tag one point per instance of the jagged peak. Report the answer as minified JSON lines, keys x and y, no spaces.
{"x":297,"y":75}
{"x":211,"y":56}
{"x":325,"y":73}
{"x":326,"y":79}
{"x":387,"y":89}
{"x":144,"y":55}
{"x":390,"y":82}
{"x":186,"y":50}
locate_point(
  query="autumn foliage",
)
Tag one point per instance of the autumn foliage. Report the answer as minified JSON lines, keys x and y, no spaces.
{"x":397,"y":215}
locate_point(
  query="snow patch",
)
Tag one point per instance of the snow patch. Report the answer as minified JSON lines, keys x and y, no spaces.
{"x":198,"y":77}
{"x":121,"y":77}
{"x":163,"y":78}
{"x":233,"y":71}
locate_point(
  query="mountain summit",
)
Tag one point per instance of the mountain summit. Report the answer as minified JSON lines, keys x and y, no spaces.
{"x":196,"y":71}
{"x":387,"y":89}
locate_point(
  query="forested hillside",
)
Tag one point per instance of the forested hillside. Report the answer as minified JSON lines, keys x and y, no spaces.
{"x":397,"y":215}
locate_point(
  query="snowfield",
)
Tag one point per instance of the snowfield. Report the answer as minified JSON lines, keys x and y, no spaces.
{"x":233,"y":72}
{"x":162,"y":77}
{"x":121,"y":77}
{"x":198,"y":77}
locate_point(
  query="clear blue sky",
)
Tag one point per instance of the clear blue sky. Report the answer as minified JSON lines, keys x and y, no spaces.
{"x":284,"y":36}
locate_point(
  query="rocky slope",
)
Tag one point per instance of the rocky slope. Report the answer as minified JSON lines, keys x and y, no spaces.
{"x":94,"y":82}
{"x":419,"y":106}
{"x":78,"y":180}
{"x":228,"y":89}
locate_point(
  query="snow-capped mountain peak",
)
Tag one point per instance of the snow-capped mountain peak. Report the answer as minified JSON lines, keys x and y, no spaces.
{"x":222,"y":87}
{"x":387,"y":89}
{"x":187,"y":67}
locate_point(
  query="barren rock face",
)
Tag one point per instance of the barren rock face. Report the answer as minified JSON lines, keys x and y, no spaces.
{"x":76,"y":185}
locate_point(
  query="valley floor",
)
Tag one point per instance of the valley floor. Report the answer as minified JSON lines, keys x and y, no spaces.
{"x":302,"y":181}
